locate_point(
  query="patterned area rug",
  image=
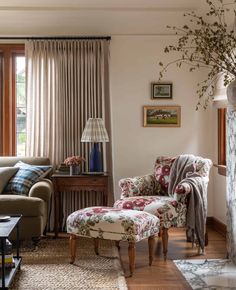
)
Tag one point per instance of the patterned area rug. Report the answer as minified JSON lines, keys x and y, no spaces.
{"x":47,"y":267}
{"x":217,"y":274}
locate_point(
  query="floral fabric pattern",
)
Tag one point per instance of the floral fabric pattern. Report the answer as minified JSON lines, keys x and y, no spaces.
{"x":181,"y":192}
{"x":162,"y":172}
{"x":113,"y":223}
{"x":149,"y":193}
{"x":170,"y":212}
{"x":135,"y":203}
{"x":140,"y":185}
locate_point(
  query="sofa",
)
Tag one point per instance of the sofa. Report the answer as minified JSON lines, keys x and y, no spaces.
{"x":34,"y":206}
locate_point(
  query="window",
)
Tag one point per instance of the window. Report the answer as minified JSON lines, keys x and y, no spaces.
{"x":20,"y":106}
{"x":222,"y":141}
{"x":12,"y":100}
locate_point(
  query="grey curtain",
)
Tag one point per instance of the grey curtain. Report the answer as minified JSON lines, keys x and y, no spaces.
{"x":67,"y":83}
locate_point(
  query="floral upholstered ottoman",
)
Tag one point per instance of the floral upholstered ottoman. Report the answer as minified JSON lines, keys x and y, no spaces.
{"x":113,"y":224}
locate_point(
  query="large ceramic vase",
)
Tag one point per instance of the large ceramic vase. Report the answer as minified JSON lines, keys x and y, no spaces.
{"x":231,"y":95}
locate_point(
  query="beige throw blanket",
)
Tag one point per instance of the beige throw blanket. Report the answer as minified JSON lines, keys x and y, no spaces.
{"x":182,"y":171}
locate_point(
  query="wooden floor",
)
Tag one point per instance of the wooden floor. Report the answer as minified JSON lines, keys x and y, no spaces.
{"x":165,"y":275}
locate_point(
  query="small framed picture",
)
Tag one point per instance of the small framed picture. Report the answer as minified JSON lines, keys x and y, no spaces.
{"x":161,"y":116}
{"x":161,"y":91}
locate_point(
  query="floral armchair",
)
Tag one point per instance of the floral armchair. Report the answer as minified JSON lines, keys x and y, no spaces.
{"x":150,"y":193}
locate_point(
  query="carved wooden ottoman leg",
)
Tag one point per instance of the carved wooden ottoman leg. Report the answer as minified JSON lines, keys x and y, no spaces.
{"x":131,"y":253}
{"x":96,"y":243}
{"x":151,"y":243}
{"x":165,"y":242}
{"x":72,"y":243}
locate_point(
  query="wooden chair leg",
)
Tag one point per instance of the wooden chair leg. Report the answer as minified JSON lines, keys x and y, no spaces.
{"x":72,"y":243}
{"x":165,"y":242}
{"x":96,"y":244}
{"x":151,"y":243}
{"x":131,"y":253}
{"x":118,"y":245}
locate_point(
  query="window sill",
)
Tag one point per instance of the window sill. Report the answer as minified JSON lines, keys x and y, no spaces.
{"x":221,"y":169}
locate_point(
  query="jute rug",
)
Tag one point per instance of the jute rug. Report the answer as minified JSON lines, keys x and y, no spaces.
{"x":48,"y":268}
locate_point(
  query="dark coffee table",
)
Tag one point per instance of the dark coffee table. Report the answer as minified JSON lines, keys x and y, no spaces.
{"x":6,"y":229}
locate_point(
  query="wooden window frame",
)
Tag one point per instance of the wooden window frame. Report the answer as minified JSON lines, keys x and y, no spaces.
{"x":8,"y":121}
{"x":222,"y":141}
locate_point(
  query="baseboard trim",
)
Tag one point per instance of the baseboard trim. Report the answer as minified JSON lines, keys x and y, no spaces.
{"x":217,"y":225}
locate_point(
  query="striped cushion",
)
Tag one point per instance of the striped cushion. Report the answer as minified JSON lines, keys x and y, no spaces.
{"x":26,"y":176}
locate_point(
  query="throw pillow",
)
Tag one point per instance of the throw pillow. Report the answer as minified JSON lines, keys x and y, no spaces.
{"x":5,"y":174}
{"x":26,"y":176}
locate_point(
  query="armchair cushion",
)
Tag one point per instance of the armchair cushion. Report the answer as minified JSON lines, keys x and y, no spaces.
{"x":170,"y":212}
{"x":138,"y":186}
{"x":26,"y":176}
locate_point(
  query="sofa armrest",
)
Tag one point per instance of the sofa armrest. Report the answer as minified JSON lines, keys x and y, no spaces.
{"x":139,"y":185}
{"x":21,"y":204}
{"x":42,"y":189}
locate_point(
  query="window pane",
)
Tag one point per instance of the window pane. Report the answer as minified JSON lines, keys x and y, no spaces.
{"x":20,"y":106}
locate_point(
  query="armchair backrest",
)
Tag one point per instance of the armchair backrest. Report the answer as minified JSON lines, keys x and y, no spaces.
{"x":163,"y":166}
{"x":162,"y":172}
{"x":158,"y":182}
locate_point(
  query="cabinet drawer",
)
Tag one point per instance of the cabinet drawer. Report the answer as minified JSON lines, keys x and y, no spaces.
{"x":81,"y":181}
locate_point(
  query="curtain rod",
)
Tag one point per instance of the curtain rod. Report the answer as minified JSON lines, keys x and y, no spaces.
{"x":57,"y":37}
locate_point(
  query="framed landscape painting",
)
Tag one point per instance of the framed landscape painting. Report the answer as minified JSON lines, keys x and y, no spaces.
{"x":161,"y":91}
{"x":161,"y":116}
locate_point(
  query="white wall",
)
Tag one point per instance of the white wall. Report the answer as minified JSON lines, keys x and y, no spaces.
{"x":219,"y":196}
{"x":134,"y":65}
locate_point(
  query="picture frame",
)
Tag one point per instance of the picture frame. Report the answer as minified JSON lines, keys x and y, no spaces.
{"x":161,"y":91}
{"x":161,"y":116}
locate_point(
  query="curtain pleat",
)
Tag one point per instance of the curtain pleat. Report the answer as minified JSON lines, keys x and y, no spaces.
{"x":67,"y":83}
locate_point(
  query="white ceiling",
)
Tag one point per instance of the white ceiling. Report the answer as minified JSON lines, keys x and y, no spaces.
{"x":91,"y":17}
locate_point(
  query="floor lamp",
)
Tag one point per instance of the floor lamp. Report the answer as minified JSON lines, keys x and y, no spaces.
{"x":95,"y":132}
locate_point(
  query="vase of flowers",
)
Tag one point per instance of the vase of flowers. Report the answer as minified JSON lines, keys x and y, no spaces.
{"x":208,"y":42}
{"x":75,"y":164}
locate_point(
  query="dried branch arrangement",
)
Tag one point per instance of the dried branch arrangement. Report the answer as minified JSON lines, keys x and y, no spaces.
{"x":207,"y":42}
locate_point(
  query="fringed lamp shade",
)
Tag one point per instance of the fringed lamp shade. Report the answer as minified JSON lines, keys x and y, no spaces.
{"x":95,"y":132}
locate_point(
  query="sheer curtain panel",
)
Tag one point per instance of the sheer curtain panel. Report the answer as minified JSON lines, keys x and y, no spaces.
{"x":67,"y":83}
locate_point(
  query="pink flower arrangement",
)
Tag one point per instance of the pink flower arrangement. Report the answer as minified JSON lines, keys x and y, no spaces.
{"x":73,"y":160}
